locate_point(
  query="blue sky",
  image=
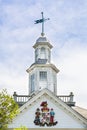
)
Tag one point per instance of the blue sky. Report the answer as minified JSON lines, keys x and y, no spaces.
{"x":66,"y":30}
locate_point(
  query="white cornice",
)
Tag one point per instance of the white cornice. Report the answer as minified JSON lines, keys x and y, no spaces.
{"x":42,"y":65}
{"x":42,"y":43}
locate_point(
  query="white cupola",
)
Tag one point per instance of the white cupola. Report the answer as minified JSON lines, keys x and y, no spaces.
{"x":42,"y":73}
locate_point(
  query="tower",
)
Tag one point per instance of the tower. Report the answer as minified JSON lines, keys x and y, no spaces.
{"x":42,"y":73}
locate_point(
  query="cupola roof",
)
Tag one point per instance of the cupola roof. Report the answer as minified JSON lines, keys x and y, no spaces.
{"x":42,"y":40}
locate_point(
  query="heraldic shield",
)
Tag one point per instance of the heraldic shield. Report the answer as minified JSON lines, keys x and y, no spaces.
{"x":44,"y":115}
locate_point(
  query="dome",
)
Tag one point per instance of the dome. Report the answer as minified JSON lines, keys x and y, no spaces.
{"x":42,"y":41}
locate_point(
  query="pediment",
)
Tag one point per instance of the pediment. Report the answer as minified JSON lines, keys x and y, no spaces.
{"x":63,"y":115}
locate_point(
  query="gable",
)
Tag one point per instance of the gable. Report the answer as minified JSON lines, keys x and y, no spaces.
{"x":63,"y":118}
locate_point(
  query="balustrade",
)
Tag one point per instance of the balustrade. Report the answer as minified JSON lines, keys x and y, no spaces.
{"x":21,"y":99}
{"x":68,"y":99}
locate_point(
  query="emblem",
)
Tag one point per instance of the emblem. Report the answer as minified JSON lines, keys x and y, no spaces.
{"x":44,"y":115}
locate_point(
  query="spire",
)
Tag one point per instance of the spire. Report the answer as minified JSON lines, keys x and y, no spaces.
{"x":41,"y":21}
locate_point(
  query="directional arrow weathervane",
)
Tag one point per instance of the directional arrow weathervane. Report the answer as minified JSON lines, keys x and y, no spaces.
{"x":41,"y":21}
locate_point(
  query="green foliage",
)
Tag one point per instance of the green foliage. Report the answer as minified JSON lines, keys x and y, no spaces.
{"x":21,"y":128}
{"x":8,"y":109}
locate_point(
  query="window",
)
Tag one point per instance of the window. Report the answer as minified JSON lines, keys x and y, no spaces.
{"x":48,"y":55}
{"x":43,"y":53}
{"x":32,"y":83}
{"x":43,"y":75}
{"x":36,"y":54}
{"x":42,"y":50}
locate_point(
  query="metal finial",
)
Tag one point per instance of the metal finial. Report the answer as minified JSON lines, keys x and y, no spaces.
{"x":41,"y":21}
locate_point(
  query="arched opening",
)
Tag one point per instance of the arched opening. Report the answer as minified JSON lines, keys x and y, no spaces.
{"x":43,"y":53}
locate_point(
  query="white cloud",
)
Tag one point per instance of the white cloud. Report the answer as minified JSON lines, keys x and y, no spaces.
{"x":73,"y":72}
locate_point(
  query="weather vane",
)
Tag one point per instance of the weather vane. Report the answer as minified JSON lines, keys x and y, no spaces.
{"x":41,"y":21}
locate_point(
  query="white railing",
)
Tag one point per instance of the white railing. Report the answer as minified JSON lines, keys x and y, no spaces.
{"x":21,"y":99}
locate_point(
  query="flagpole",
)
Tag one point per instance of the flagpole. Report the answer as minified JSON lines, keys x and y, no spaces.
{"x":42,"y":24}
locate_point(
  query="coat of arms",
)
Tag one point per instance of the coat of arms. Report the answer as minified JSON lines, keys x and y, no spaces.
{"x":44,"y":115}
